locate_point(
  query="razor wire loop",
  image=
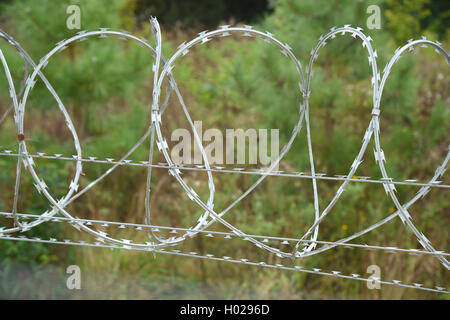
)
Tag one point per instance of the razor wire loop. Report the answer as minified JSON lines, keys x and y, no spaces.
{"x":156,"y":115}
{"x":373,"y":126}
{"x":18,"y":114}
{"x":14,"y":97}
{"x":28,"y":161}
{"x":183,"y":50}
{"x":155,"y":119}
{"x":379,"y":154}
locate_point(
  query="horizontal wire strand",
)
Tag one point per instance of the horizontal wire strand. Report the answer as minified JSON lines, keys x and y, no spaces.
{"x":317,"y":271}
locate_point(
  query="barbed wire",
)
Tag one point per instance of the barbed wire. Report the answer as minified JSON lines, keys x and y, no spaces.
{"x":193,"y":254}
{"x":227,"y":235}
{"x":162,"y":69}
{"x":237,"y":170}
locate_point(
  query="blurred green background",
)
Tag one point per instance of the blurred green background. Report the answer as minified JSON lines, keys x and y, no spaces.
{"x":106,"y":85}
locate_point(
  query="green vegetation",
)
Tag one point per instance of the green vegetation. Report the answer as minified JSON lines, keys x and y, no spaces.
{"x":106,"y":85}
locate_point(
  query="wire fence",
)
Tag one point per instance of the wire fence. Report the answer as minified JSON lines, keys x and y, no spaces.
{"x":303,"y":246}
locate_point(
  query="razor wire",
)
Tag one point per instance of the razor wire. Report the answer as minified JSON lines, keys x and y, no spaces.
{"x":162,"y":69}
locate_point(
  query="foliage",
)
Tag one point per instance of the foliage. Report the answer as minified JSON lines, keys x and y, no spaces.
{"x":106,"y":86}
{"x":406,"y":19}
{"x":200,"y":12}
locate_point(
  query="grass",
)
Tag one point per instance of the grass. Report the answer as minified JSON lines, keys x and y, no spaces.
{"x":229,"y":84}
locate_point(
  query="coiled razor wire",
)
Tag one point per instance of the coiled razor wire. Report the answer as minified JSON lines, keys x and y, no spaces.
{"x":162,"y":69}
